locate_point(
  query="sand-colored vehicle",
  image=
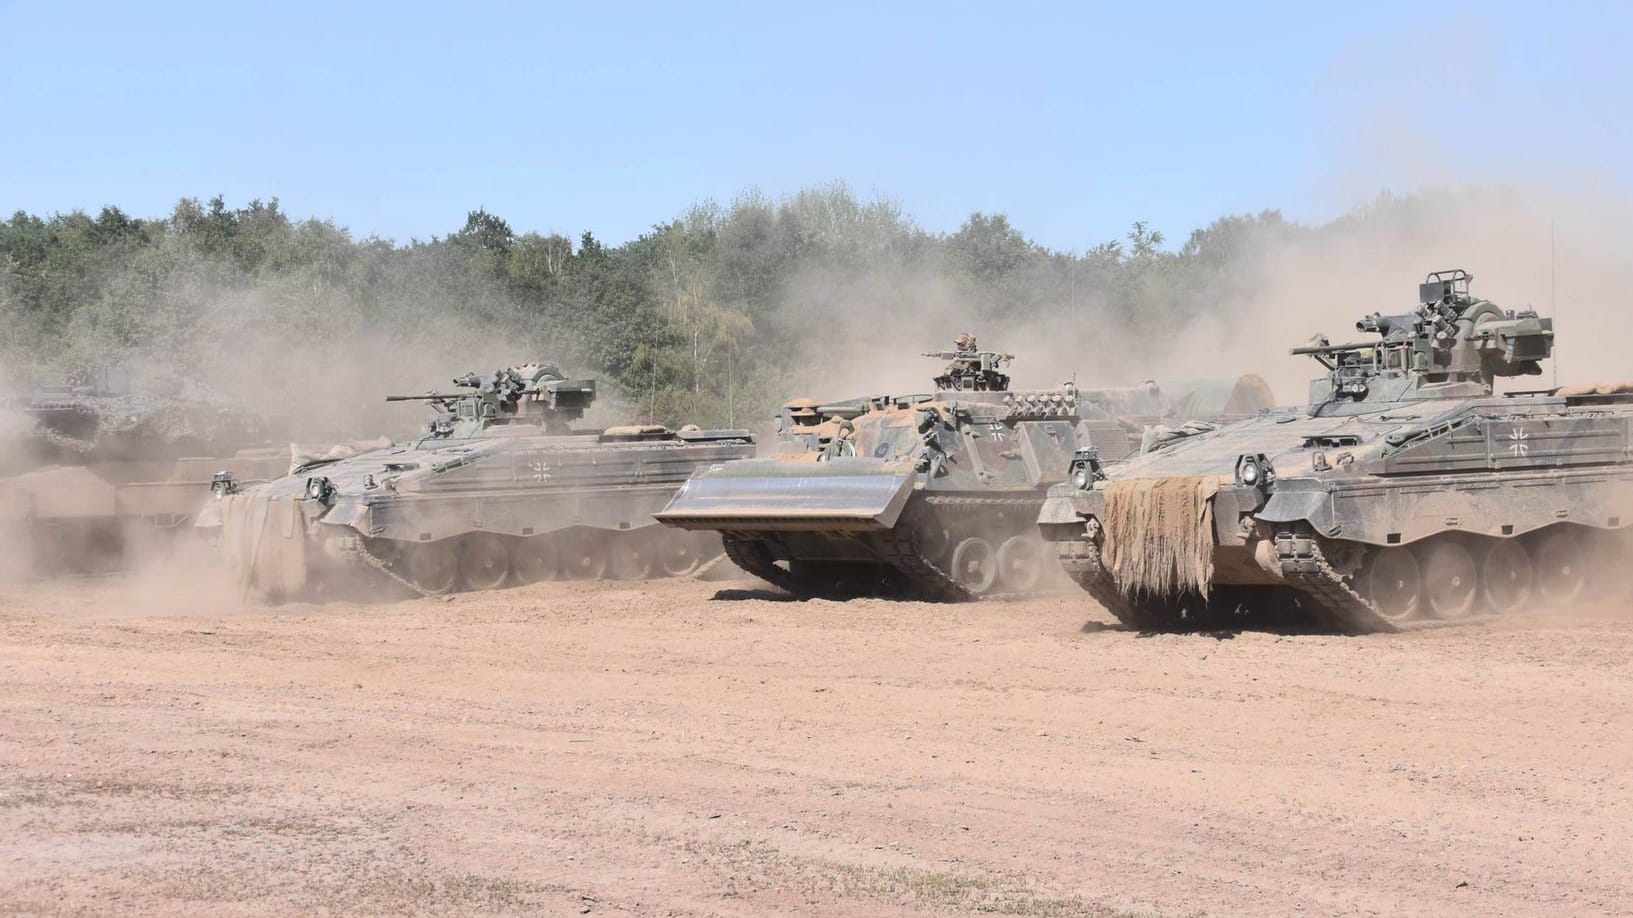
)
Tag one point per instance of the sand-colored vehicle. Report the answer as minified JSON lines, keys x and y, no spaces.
{"x":94,"y":474}
{"x":500,"y":489}
{"x":930,"y":495}
{"x":1406,"y":492}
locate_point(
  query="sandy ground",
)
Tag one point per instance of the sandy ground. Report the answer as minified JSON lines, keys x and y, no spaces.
{"x":682,"y":748}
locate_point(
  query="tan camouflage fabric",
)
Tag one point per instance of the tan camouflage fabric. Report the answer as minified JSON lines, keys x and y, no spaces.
{"x":264,"y":541}
{"x":1159,"y":534}
{"x":1610,"y":388}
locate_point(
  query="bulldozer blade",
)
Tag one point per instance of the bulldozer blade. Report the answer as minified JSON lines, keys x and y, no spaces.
{"x":840,"y":495}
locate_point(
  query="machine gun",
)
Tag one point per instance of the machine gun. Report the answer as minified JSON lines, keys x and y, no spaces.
{"x":970,"y":369}
{"x":532,"y":393}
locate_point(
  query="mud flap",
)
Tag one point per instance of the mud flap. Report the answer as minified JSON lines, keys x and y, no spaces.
{"x":1314,"y":507}
{"x":841,"y":495}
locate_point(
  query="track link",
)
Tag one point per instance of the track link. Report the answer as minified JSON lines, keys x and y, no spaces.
{"x":1325,"y":601}
{"x":380,"y":564}
{"x":915,"y":575}
{"x":754,"y":557}
{"x":902,"y":549}
{"x":1335,"y":605}
{"x":1080,"y":558}
{"x":1329,"y":602}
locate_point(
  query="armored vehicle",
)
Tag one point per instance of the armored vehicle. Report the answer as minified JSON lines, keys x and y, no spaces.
{"x":1407,"y":491}
{"x":91,"y":472}
{"x":499,"y":489}
{"x":932,"y":495}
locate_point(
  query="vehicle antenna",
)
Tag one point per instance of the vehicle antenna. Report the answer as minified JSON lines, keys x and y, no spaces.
{"x":1553,"y":298}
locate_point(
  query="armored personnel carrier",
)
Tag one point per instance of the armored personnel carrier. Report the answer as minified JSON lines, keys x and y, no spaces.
{"x":1407,"y":491}
{"x":500,"y":489}
{"x":933,"y":495}
{"x":92,"y":471}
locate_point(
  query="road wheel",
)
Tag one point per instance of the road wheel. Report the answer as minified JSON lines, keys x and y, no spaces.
{"x":584,"y":557}
{"x":1394,"y":584}
{"x":679,"y":552}
{"x":1451,"y":580}
{"x":933,"y":537}
{"x":1561,"y":564}
{"x":535,"y":559}
{"x":1020,"y":563}
{"x":1506,"y":576}
{"x":631,"y":556}
{"x":432,"y":566}
{"x":974,"y":566}
{"x":484,"y":561}
{"x":1610,"y":566}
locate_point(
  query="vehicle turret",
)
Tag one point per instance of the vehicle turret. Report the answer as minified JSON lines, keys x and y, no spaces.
{"x":971,"y":369}
{"x":1453,"y":345}
{"x":535,"y":394}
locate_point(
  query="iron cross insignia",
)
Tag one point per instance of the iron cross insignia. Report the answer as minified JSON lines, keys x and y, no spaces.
{"x":1516,"y":441}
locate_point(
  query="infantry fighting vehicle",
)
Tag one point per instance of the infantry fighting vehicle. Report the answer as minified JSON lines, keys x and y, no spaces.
{"x":1406,"y":492}
{"x":93,"y":469}
{"x":499,"y":489}
{"x":932,"y":495}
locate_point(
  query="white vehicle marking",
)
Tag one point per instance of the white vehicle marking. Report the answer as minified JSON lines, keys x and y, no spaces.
{"x":1516,"y":441}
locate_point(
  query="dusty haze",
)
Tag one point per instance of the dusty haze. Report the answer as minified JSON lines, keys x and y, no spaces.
{"x":1274,"y":294}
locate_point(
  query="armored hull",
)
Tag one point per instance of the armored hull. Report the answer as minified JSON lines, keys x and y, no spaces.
{"x":1405,"y":493}
{"x":931,"y":496}
{"x":93,"y":476}
{"x":499,"y":491}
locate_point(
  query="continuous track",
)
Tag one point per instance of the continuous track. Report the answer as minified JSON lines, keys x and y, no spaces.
{"x":1322,"y":597}
{"x":919,"y":573}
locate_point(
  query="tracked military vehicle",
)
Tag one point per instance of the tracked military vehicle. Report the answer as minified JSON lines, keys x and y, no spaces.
{"x":93,"y":470}
{"x":500,"y":489}
{"x":1406,"y":492}
{"x":931,"y":496}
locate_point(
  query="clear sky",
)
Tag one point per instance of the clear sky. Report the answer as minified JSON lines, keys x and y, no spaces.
{"x":1075,"y":119}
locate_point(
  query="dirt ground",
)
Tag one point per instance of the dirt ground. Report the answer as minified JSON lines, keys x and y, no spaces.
{"x":687,"y":748}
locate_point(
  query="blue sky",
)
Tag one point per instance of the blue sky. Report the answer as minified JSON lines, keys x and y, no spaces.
{"x":396,"y":119}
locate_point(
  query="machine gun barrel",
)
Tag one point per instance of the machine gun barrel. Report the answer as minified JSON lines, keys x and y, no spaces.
{"x":444,"y":396}
{"x":1333,"y":348}
{"x":953,"y":355}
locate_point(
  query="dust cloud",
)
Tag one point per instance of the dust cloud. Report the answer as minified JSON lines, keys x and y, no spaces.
{"x":1559,"y":251}
{"x":329,"y":384}
{"x":1562,"y":254}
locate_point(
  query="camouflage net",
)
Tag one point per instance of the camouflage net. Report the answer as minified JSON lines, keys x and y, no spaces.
{"x":1161,"y":434}
{"x":301,"y":457}
{"x":1610,"y":388}
{"x":1159,"y":534}
{"x":264,"y":541}
{"x":89,"y":428}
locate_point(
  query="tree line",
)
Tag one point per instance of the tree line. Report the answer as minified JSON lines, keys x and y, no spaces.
{"x":700,"y":319}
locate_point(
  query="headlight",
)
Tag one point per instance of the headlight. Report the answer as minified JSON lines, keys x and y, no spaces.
{"x":319,"y":488}
{"x":1083,"y":479}
{"x":223,"y":484}
{"x":1255,"y":470}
